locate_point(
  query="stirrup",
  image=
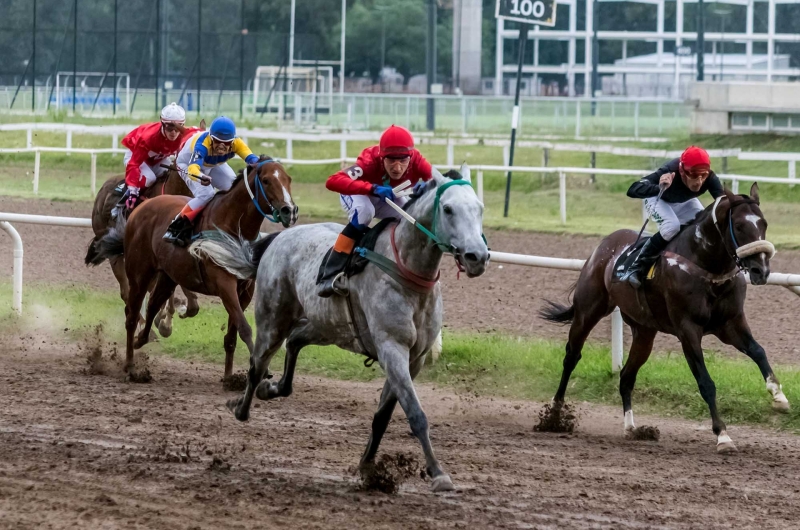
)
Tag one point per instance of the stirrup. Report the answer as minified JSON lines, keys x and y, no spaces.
{"x":341,"y":292}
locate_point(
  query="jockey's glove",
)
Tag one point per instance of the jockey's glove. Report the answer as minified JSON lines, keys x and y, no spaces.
{"x":384,"y":192}
{"x":419,"y":187}
{"x":133,"y":197}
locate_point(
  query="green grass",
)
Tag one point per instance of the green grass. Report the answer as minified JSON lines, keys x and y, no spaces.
{"x":481,"y":364}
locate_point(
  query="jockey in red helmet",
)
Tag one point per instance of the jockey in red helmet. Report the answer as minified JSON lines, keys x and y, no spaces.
{"x":148,"y":145}
{"x":363,"y":190}
{"x":678,"y":205}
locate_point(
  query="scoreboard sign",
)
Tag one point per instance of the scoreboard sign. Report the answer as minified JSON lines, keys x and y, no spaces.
{"x":542,"y":12}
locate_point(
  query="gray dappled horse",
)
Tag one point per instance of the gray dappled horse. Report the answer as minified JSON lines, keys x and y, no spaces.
{"x":394,"y":324}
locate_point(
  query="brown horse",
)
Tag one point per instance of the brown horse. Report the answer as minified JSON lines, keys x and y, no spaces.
{"x":170,"y":183}
{"x":696,"y":290}
{"x":169,"y":265}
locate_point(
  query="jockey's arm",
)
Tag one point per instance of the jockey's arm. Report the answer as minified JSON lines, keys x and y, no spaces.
{"x":244,"y":152}
{"x":198,"y":155}
{"x":133,"y":172}
{"x":648,"y":186}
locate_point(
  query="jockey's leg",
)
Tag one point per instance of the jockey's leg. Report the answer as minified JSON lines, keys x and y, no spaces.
{"x":179,"y":231}
{"x":222,"y":177}
{"x":687,"y":211}
{"x":361,"y":211}
{"x":668,"y":226}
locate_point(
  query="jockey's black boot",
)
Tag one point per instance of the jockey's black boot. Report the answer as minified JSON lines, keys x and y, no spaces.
{"x":647,"y":256}
{"x":335,"y":262}
{"x":179,"y":231}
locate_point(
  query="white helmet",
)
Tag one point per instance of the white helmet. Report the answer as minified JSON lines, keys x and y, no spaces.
{"x":173,"y":113}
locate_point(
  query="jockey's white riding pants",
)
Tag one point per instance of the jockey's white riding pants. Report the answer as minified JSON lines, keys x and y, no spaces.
{"x":362,"y":209}
{"x":150,"y":174}
{"x":222,"y":176}
{"x":669,"y":216}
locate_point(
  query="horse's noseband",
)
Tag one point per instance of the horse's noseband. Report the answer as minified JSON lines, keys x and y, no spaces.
{"x":260,"y":192}
{"x":748,"y":249}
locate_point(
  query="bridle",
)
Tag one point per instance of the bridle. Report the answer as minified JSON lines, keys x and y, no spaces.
{"x":260,"y":192}
{"x":740,"y":251}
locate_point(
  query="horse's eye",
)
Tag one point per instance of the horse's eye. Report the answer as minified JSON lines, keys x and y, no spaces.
{"x":448,"y":210}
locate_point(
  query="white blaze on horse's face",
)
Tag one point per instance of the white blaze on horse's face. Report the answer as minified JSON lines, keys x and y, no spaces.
{"x":461,"y":223}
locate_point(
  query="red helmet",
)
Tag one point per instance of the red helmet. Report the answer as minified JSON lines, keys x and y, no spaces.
{"x":396,"y":141}
{"x":695,"y":158}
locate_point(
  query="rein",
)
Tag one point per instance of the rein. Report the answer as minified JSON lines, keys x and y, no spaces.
{"x":260,"y":192}
{"x":740,"y":251}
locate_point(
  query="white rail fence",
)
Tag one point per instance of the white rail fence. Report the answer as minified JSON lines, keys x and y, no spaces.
{"x":789,"y":281}
{"x":451,"y":141}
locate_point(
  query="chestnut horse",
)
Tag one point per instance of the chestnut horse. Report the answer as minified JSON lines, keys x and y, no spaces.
{"x":170,"y":183}
{"x":264,"y":188}
{"x":696,"y":289}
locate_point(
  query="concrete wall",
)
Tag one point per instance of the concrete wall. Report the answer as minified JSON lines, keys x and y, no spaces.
{"x":714,"y":102}
{"x":467,"y":29}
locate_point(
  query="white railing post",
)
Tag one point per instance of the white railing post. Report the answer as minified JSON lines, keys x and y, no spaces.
{"x":343,"y":150}
{"x":16,"y":300}
{"x":94,"y":174}
{"x":578,"y":119}
{"x":37,"y":159}
{"x":562,"y":196}
{"x":29,"y":139}
{"x":450,"y":155}
{"x":735,"y":186}
{"x":479,"y":185}
{"x":792,"y":171}
{"x":506,"y":155}
{"x":114,"y":143}
{"x":69,"y":142}
{"x":289,"y":150}
{"x":616,"y":340}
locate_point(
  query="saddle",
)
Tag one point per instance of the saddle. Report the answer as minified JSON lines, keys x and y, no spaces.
{"x":357,"y":263}
{"x":626,"y":259}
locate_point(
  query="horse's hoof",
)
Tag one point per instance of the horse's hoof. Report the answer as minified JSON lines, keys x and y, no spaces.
{"x":188,"y":311}
{"x":235,"y":406}
{"x":780,"y":406}
{"x":266,"y":390}
{"x":726,"y":448}
{"x":164,"y":330}
{"x":442,"y":483}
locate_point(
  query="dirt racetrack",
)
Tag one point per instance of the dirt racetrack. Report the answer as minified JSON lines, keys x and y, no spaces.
{"x":505,"y":299}
{"x":92,"y":451}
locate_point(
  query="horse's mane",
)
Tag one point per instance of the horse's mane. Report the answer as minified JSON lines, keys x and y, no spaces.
{"x":240,"y":174}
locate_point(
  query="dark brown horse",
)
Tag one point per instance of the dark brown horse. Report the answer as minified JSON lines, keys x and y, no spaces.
{"x":170,"y":183}
{"x":696,"y":290}
{"x":169,"y":265}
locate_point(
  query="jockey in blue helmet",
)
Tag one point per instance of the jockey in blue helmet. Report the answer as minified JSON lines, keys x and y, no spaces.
{"x":203,"y":161}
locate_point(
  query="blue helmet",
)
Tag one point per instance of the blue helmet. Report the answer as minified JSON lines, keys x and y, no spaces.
{"x":223,"y":129}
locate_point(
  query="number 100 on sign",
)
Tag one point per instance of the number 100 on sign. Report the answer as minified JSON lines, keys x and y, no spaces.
{"x":542,"y":12}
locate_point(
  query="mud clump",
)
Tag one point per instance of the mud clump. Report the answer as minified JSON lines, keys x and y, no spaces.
{"x":388,"y":473}
{"x":235,"y":382}
{"x":219,"y":464}
{"x":557,"y":418}
{"x":140,"y":375}
{"x":93,"y":345}
{"x":645,"y":433}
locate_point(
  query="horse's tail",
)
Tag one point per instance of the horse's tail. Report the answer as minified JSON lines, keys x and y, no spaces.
{"x":559,"y":313}
{"x":108,"y":246}
{"x":234,"y":254}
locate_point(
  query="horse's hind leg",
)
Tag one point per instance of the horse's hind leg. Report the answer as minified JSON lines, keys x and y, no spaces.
{"x":163,"y":320}
{"x":736,"y":332}
{"x":245,"y":293}
{"x":192,"y":306}
{"x":301,"y":336}
{"x":394,"y":359}
{"x":268,"y":342}
{"x":118,"y":268}
{"x":641,"y":346}
{"x":133,"y":305}
{"x":585,"y":319}
{"x":164,"y":286}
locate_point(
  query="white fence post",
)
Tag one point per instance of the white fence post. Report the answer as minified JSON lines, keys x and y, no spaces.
{"x":16,"y":300}
{"x":616,"y":341}
{"x":29,"y":139}
{"x":506,"y":155}
{"x":343,"y":150}
{"x":289,"y":150}
{"x":792,"y":171}
{"x":114,"y":143}
{"x":37,"y":160}
{"x":578,"y":119}
{"x":480,"y":185}
{"x":562,"y":196}
{"x":450,"y":155}
{"x":69,"y":141}
{"x":735,"y":186}
{"x":94,"y":174}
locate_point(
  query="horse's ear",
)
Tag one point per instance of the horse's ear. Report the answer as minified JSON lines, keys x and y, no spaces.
{"x":465,"y":172}
{"x":754,"y":193}
{"x":203,"y":124}
{"x":438,"y":178}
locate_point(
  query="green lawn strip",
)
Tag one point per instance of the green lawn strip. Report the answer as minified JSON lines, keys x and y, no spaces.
{"x":482,"y":364}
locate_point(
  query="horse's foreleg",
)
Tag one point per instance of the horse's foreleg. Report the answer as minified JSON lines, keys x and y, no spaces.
{"x":736,"y":333}
{"x":192,"y":306}
{"x":641,"y":347}
{"x":164,"y":286}
{"x":299,"y":338}
{"x":395,"y":361}
{"x":691,"y":337}
{"x":379,"y":423}
{"x":163,"y":319}
{"x":268,"y":342}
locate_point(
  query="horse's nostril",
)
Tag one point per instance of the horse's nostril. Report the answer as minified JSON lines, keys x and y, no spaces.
{"x":470,"y":256}
{"x":286,"y":211}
